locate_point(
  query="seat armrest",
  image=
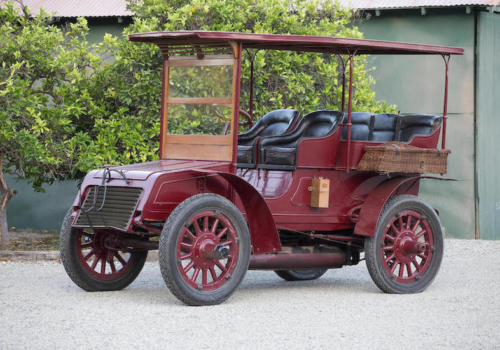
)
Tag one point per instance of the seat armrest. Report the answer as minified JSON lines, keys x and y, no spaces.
{"x":253,"y":132}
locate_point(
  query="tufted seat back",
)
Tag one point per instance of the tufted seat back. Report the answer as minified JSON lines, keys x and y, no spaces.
{"x":273,"y":123}
{"x":361,"y":126}
{"x":417,"y":124}
{"x":385,"y":127}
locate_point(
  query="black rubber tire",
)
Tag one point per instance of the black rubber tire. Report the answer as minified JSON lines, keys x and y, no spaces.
{"x":168,"y":246}
{"x":372,"y":246}
{"x":300,"y":275}
{"x":75,"y":270}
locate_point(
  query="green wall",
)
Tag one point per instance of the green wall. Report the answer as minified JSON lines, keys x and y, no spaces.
{"x":40,"y":211}
{"x":416,"y":85}
{"x":488,"y":124}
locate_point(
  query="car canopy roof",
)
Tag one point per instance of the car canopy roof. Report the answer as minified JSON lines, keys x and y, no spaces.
{"x":177,"y":43}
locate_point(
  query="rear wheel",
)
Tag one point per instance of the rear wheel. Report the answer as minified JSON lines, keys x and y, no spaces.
{"x":405,"y":254}
{"x":204,"y":250}
{"x":300,"y":275}
{"x":92,"y":264}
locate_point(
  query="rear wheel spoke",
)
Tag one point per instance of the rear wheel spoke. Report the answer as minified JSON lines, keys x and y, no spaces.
{"x":94,"y":263}
{"x":421,"y":233}
{"x":120,"y":259}
{"x":103,"y":266}
{"x":400,"y":223}
{"x":401,"y":270}
{"x":112,"y":265}
{"x":92,"y":252}
{"x":416,"y":264}
{"x":414,"y":228}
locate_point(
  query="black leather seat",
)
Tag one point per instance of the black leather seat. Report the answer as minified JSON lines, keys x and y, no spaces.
{"x":280,"y":152}
{"x":385,"y":127}
{"x":361,"y":126}
{"x":273,"y":123}
{"x":418,"y":124}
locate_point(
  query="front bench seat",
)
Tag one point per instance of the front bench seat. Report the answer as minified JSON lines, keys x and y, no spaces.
{"x":273,"y":123}
{"x":418,"y":124}
{"x":280,"y":152}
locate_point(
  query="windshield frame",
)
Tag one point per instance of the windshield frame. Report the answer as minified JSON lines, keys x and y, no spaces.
{"x":200,"y":147}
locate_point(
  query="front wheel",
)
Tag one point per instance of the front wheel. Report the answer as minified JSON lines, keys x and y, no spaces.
{"x":91,"y":264}
{"x":405,"y":254}
{"x":300,"y":275}
{"x":204,"y":250}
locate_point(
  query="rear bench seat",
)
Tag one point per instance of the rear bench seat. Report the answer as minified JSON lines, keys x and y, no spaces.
{"x":418,"y":124}
{"x":387,"y":127}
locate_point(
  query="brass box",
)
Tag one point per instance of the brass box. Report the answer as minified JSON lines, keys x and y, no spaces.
{"x":320,"y":192}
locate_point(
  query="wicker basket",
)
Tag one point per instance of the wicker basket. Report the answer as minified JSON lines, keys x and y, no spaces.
{"x":396,"y":157}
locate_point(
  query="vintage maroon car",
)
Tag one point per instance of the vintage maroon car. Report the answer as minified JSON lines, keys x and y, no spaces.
{"x":285,"y":195}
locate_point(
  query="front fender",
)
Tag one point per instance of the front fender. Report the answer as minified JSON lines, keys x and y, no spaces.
{"x":372,"y":207}
{"x":263,"y":231}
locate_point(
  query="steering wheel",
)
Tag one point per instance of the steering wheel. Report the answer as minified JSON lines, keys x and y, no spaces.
{"x":248,"y":122}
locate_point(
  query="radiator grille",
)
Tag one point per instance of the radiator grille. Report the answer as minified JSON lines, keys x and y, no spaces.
{"x":119,"y":206}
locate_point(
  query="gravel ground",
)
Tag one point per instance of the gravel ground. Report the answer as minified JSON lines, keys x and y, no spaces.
{"x":40,"y":308}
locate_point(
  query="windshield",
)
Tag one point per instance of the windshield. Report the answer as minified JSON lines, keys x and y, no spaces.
{"x":199,"y":98}
{"x":198,"y":107}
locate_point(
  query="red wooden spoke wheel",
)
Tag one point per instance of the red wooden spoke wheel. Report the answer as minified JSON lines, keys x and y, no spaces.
{"x":204,"y":250}
{"x":405,"y":254}
{"x":98,"y":258}
{"x":407,"y":246}
{"x":207,"y":250}
{"x":91,"y":261}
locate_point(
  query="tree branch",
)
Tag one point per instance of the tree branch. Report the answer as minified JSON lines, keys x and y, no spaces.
{"x":5,"y":192}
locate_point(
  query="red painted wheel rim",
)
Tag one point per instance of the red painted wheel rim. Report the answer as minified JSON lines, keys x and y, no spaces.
{"x":195,"y":246}
{"x":98,"y":259}
{"x":407,"y":246}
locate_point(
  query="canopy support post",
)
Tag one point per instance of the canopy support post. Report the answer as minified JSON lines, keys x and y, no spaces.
{"x":343,"y":82}
{"x":446,"y":59}
{"x":349,"y":112}
{"x":250,"y":102}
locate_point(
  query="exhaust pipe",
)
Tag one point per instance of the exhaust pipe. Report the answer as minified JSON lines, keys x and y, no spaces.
{"x":300,"y":258}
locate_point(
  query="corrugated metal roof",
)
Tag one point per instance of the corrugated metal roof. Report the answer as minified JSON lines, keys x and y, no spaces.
{"x":118,"y":8}
{"x":79,"y":8}
{"x":400,"y":4}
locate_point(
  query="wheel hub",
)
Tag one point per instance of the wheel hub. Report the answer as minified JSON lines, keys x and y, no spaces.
{"x":204,"y":248}
{"x":406,"y":246}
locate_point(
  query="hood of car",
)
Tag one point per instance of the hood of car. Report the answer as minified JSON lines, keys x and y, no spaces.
{"x":144,"y":170}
